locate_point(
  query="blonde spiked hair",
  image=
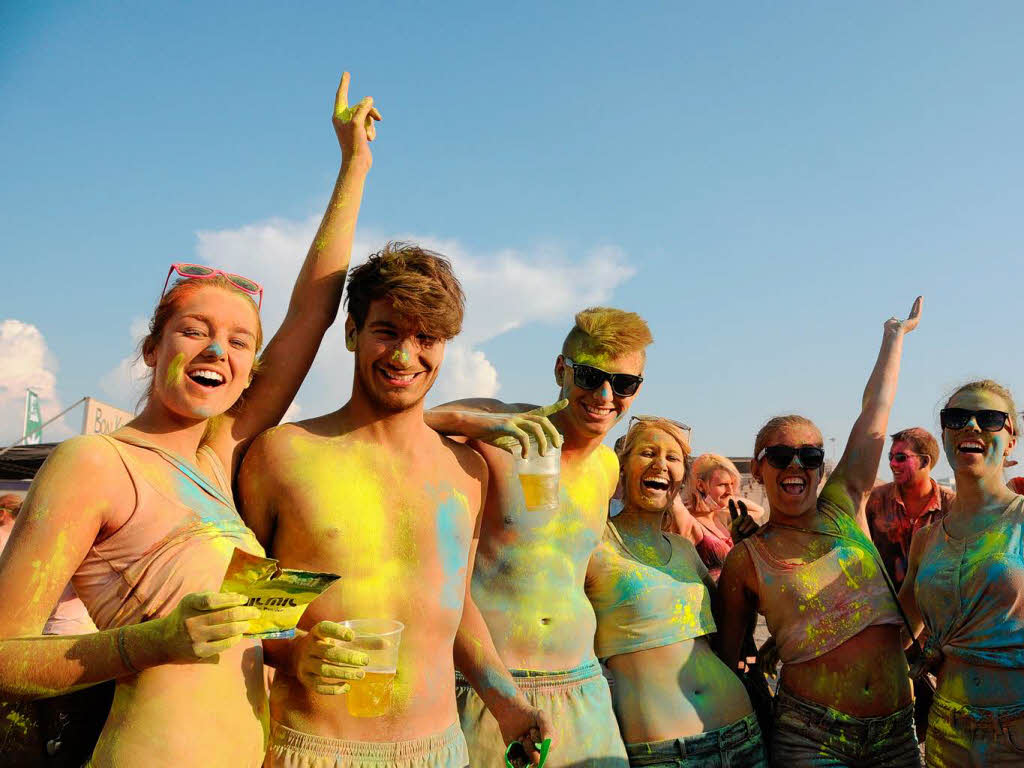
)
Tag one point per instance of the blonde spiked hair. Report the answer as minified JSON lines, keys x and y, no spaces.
{"x":607,"y":332}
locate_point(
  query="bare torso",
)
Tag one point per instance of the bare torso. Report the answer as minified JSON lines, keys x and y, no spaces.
{"x":530,"y":567}
{"x":674,"y":691}
{"x":398,"y":528}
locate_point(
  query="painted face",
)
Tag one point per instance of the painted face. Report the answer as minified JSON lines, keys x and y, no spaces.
{"x":593,"y":412}
{"x":794,"y":490}
{"x":974,"y":451}
{"x":396,"y":363}
{"x":205,"y":355}
{"x":907,"y":470}
{"x":718,"y":487}
{"x":653,"y":471}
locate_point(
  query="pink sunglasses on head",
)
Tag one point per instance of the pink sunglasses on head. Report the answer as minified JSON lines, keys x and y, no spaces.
{"x":198,"y":272}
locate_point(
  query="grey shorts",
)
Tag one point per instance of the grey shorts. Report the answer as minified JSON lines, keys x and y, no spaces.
{"x":736,"y":744}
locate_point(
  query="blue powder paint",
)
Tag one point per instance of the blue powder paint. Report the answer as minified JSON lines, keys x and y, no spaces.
{"x":495,"y":682}
{"x":216,"y":348}
{"x":453,"y":549}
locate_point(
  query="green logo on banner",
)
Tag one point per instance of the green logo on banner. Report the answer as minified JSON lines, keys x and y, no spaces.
{"x":33,"y":419}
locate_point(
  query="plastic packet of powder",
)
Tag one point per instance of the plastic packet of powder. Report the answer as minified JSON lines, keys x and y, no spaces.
{"x":281,"y":594}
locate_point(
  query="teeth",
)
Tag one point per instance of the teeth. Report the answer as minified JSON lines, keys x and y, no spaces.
{"x":403,"y":377}
{"x":211,"y":376}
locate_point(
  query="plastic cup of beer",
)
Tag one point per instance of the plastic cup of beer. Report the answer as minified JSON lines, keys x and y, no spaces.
{"x":539,"y":477}
{"x":379,"y":639}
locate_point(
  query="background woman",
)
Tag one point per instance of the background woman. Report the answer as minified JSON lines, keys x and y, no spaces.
{"x":965,"y":581}
{"x":143,"y":519}
{"x":676,"y":703}
{"x":844,"y":697}
{"x":712,"y":483}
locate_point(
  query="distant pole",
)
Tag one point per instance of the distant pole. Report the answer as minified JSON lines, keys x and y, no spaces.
{"x":40,"y":427}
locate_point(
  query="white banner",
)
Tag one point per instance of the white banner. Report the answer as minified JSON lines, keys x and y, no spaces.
{"x":33,"y":419}
{"x":101,"y":418}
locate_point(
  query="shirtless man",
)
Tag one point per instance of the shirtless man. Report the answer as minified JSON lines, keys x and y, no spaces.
{"x":373,"y":494}
{"x":531,"y":566}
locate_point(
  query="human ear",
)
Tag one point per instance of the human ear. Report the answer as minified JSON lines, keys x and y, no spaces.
{"x":560,"y":370}
{"x":350,"y":334}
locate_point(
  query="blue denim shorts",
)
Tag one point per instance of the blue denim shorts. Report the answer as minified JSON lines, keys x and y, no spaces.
{"x":961,"y":735}
{"x":737,"y":745}
{"x":809,"y":734}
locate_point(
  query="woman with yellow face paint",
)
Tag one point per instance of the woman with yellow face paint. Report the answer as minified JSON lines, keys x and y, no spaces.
{"x":844,"y":698}
{"x":677,"y":704}
{"x":143,"y":523}
{"x":965,"y":582}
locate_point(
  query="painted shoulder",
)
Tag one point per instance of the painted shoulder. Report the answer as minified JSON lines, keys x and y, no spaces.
{"x":610,"y":463}
{"x":84,"y":453}
{"x":469,"y":459}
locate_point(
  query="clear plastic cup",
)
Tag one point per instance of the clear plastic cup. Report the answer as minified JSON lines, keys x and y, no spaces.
{"x":379,"y":639}
{"x":538,"y":476}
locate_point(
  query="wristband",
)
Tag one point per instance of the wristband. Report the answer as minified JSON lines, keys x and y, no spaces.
{"x":122,"y":651}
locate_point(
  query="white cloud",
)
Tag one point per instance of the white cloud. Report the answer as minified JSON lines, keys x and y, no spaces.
{"x":27,"y":364}
{"x":506,"y":289}
{"x":292,"y":414}
{"x":124,"y":384}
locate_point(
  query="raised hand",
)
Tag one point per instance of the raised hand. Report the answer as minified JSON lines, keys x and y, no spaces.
{"x":906,"y":326}
{"x":204,"y":624}
{"x":323,"y":663}
{"x":354,"y":125}
{"x":741,"y":523}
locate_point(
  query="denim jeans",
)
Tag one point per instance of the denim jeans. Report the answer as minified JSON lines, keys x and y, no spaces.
{"x":959,"y":735}
{"x":810,"y":735}
{"x":738,"y":745}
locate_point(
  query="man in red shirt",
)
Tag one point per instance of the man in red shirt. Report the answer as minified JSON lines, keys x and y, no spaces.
{"x":897,"y":509}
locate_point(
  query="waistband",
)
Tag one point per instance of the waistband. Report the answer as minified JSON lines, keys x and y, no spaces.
{"x":869,"y":728}
{"x":537,"y":680}
{"x":283,"y":736}
{"x":980,"y":718}
{"x":726,"y":737}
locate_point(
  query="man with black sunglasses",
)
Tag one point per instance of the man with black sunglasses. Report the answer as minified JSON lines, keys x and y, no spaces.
{"x":896,"y":510}
{"x":530,"y":565}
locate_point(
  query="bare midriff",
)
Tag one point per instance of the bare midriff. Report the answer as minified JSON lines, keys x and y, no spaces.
{"x":978,"y":686}
{"x":865,"y":677}
{"x":212,"y":713}
{"x":674,"y":691}
{"x":530,"y":566}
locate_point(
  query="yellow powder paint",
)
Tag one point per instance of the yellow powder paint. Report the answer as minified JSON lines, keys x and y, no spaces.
{"x":175,"y":369}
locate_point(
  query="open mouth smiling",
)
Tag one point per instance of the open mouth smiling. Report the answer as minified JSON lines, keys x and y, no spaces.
{"x":655,"y":484}
{"x":794,"y":486}
{"x":206,"y":378}
{"x":398,"y":379}
{"x":971,"y":446}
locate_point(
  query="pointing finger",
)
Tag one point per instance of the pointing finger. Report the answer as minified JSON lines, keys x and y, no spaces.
{"x":341,"y":99}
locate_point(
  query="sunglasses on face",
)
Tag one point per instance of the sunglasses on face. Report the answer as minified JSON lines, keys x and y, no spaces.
{"x":899,"y":458}
{"x":958,"y":418}
{"x":198,"y":272}
{"x":781,"y":456}
{"x":589,"y":377}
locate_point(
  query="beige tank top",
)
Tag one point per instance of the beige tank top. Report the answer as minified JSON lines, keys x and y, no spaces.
{"x":178,"y":539}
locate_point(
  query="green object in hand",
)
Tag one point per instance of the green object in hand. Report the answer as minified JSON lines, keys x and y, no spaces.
{"x":515,"y":755}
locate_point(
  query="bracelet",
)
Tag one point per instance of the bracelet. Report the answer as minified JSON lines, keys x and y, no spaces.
{"x":122,"y":651}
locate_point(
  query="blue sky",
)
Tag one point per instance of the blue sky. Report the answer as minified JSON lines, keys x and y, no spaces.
{"x":764,"y":183}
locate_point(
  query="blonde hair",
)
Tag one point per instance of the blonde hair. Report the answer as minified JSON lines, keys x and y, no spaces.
{"x":625,"y":444}
{"x":988,"y":385}
{"x":607,"y":332}
{"x":701,"y":469}
{"x":777,"y":423}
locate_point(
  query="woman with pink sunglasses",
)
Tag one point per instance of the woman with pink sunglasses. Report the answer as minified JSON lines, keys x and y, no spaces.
{"x":142,"y":520}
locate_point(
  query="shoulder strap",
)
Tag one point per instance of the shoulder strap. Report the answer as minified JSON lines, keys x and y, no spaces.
{"x":218,"y":468}
{"x":186,"y":468}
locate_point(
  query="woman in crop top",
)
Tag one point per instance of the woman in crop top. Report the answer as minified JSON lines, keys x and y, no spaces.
{"x":143,"y":523}
{"x":676,"y":703}
{"x":812,"y":571}
{"x":965,"y":583}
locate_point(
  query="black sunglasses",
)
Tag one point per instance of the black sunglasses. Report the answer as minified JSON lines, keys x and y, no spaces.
{"x":781,"y":456}
{"x":958,"y":418}
{"x":589,"y":377}
{"x":900,"y":457}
